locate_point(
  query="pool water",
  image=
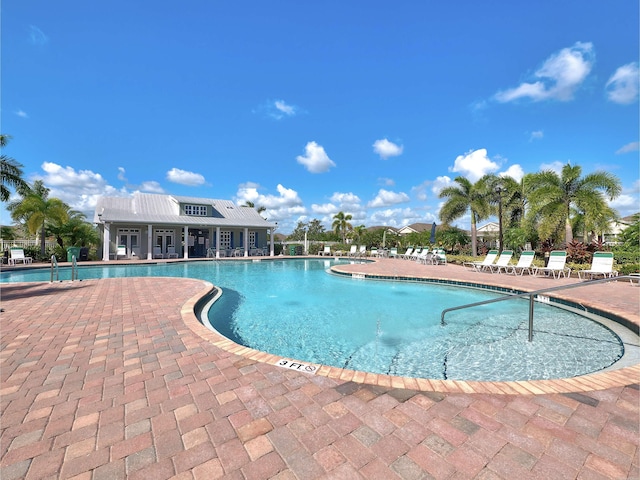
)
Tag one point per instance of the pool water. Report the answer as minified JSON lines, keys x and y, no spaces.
{"x":295,"y":309}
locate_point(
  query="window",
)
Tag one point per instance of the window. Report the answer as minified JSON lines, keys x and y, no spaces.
{"x":225,"y":239}
{"x":196,"y":210}
{"x":252,"y":239}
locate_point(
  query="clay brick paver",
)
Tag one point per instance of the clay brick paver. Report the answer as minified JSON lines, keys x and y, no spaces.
{"x":114,"y":379}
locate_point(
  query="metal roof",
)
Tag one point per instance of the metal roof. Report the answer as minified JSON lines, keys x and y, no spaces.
{"x":157,"y":209}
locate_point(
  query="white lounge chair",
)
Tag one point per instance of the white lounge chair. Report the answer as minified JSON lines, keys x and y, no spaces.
{"x":393,"y":252}
{"x":373,"y":252}
{"x":486,"y":263}
{"x":353,"y":251}
{"x":407,"y":254}
{"x":362,"y":251}
{"x":325,"y":251}
{"x":439,"y":257}
{"x":17,"y":256}
{"x":157,"y":252}
{"x":502,"y":262}
{"x":416,"y":253}
{"x":424,"y":256}
{"x":524,"y":264}
{"x":556,"y":265}
{"x":121,"y":251}
{"x":602,"y":264}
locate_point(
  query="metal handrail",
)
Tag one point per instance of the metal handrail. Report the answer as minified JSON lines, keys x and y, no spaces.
{"x":531,"y":297}
{"x":74,"y":268}
{"x":54,"y":266}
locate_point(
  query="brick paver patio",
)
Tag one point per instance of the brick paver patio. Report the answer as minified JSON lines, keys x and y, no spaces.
{"x":113,"y":378}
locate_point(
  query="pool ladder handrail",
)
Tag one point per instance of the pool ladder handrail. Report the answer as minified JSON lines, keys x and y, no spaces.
{"x":532,"y":296}
{"x":54,"y":267}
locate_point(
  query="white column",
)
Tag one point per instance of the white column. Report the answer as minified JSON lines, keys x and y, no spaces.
{"x":185,"y":254}
{"x":149,"y":241}
{"x":271,"y":245}
{"x":246,"y":242}
{"x":217,"y":242}
{"x":106,"y":242}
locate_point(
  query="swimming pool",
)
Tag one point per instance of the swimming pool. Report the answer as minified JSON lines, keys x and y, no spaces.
{"x":294,"y":309}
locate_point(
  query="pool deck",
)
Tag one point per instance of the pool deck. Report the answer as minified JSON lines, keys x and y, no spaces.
{"x":116,"y":378}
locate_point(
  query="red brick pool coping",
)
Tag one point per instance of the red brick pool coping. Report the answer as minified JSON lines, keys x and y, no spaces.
{"x":115,"y":379}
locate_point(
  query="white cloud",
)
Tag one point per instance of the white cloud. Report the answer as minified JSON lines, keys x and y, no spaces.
{"x":283,"y":206}
{"x":151,"y":186}
{"x":37,"y":36}
{"x":277,"y":109}
{"x":346,"y":200}
{"x":387,"y":149}
{"x":183,"y":177}
{"x":78,"y":189}
{"x":553,"y":166}
{"x":514,"y":171}
{"x":628,"y":148}
{"x":121,"y":174}
{"x":386,"y":198}
{"x":440,"y":183}
{"x":622,"y":87}
{"x":538,"y":134}
{"x":474,"y":165}
{"x":287,"y":110}
{"x":387,"y":182}
{"x":21,"y":114}
{"x":557,"y":79}
{"x":396,"y":217}
{"x":315,"y":159}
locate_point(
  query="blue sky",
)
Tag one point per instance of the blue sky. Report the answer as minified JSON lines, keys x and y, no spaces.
{"x":311,"y":108}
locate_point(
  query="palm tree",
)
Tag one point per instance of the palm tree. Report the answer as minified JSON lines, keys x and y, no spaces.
{"x":250,"y":204}
{"x":341,"y":224}
{"x":552,"y":198}
{"x":10,"y":172}
{"x":462,"y":198}
{"x":37,"y":210}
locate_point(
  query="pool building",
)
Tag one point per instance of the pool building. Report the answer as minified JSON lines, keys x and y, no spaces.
{"x":147,"y":226}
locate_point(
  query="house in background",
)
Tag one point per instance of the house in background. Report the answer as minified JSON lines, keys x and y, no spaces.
{"x":146,"y":225}
{"x":414,"y":228}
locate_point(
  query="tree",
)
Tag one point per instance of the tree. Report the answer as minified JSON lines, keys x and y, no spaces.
{"x":250,"y":204}
{"x":10,"y":173}
{"x":630,"y":236}
{"x":462,"y":198}
{"x":315,"y":230}
{"x":75,"y":231}
{"x":36,"y":210}
{"x":341,"y":224}
{"x":552,"y":198}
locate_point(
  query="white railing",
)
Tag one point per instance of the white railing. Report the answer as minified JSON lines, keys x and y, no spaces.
{"x":6,"y":244}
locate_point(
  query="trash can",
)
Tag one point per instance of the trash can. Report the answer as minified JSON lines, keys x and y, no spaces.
{"x":71,"y":252}
{"x":299,"y":250}
{"x":292,"y":250}
{"x":84,"y":254}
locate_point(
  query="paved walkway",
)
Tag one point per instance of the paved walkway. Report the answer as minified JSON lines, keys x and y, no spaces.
{"x":114,"y":378}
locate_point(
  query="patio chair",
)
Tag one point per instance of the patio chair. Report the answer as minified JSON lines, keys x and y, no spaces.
{"x":17,"y":255}
{"x":171,"y":252}
{"x":439,"y":257}
{"x":393,"y":253}
{"x":416,"y":253}
{"x":373,"y":252}
{"x":486,"y":263}
{"x":157,"y":252}
{"x":362,"y":251}
{"x":325,"y":251}
{"x":425,"y":256}
{"x":556,"y":265}
{"x":502,"y":262}
{"x":602,"y":264}
{"x":121,"y":251}
{"x":407,"y":254}
{"x":353,"y":251}
{"x":524,"y":264}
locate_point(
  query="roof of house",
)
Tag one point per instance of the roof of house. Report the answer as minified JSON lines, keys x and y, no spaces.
{"x":165,"y":210}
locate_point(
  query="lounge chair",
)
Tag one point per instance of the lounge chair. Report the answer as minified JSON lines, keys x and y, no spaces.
{"x":524,"y":264}
{"x":353,"y":251}
{"x":486,"y":263}
{"x":416,"y":253}
{"x":424,"y":256}
{"x":121,"y":251}
{"x":407,"y":254}
{"x":157,"y":252}
{"x":17,"y":255}
{"x":439,"y":257}
{"x":602,"y":264}
{"x":502,"y":262}
{"x":556,"y":265}
{"x":362,"y":252}
{"x":325,"y":251}
{"x":171,"y":252}
{"x":393,"y":253}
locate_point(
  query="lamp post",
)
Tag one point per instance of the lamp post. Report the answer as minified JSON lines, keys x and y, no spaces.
{"x":499,"y":194}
